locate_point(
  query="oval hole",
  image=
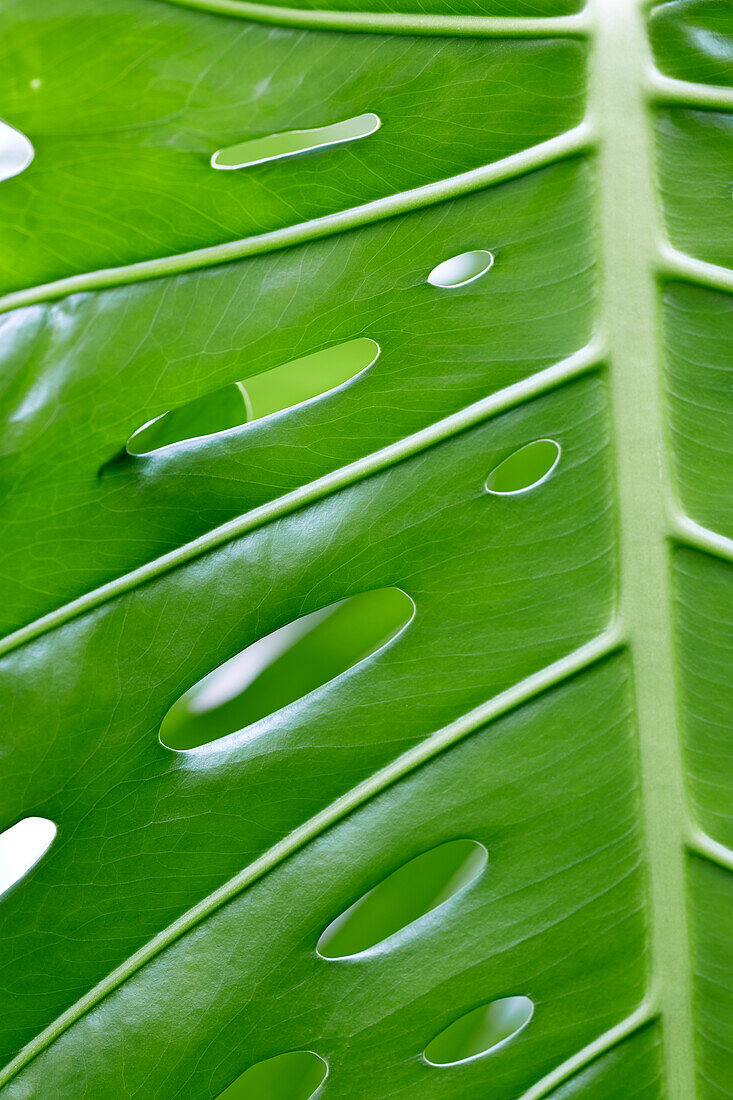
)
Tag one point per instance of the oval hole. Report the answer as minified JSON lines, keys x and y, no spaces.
{"x":285,"y":666}
{"x":407,"y":894}
{"x":526,"y":468}
{"x":293,"y":143}
{"x":480,"y":1031}
{"x":16,"y":151}
{"x":21,"y":847}
{"x":459,"y":270}
{"x":273,"y":391}
{"x":292,"y":1076}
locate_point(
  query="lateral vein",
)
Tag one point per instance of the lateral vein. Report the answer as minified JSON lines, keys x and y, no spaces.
{"x":688,"y":93}
{"x":703,"y":845}
{"x":674,"y":264}
{"x":394,"y":23}
{"x":686,"y":532}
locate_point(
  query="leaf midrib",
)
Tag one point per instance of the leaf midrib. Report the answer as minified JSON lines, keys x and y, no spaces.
{"x":630,"y":263}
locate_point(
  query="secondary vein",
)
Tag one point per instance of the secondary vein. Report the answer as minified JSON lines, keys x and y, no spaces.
{"x":395,"y":23}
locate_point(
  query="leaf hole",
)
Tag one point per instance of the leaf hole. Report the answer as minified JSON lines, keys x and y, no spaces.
{"x":525,"y":469}
{"x":409,"y":893}
{"x":21,"y":847}
{"x":292,"y":1076}
{"x":273,"y":391}
{"x":293,"y":143}
{"x":480,"y":1031}
{"x":16,"y":151}
{"x":285,"y":666}
{"x":462,"y":269}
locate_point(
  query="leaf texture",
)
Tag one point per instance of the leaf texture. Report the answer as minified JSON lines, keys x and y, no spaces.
{"x":562,"y":695}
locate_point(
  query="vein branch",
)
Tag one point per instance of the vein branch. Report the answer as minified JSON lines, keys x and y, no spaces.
{"x":686,"y":532}
{"x":703,"y":845}
{"x":688,"y":93}
{"x":674,"y":264}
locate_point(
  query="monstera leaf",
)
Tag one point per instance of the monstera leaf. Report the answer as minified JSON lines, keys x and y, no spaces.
{"x":366,"y":558}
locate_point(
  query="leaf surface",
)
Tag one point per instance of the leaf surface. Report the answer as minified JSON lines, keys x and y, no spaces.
{"x":562,"y":694}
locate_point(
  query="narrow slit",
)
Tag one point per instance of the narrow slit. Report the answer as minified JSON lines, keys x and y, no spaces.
{"x":293,"y":143}
{"x":285,"y":667}
{"x":285,"y":387}
{"x":409,"y":893}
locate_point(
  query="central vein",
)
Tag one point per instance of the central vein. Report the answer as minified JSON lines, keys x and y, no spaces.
{"x":629,"y":242}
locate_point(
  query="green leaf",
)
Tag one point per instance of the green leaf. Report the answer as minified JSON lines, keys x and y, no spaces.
{"x":390,"y":483}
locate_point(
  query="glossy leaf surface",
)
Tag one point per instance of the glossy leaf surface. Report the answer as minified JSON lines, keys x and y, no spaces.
{"x":538,"y":462}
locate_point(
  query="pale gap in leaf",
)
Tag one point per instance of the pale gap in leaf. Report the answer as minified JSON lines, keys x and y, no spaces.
{"x":409,"y":893}
{"x":21,"y":847}
{"x":292,"y":143}
{"x":272,"y":391}
{"x":285,"y":666}
{"x":292,"y":1076}
{"x":16,"y":152}
{"x":480,"y":1031}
